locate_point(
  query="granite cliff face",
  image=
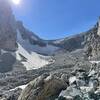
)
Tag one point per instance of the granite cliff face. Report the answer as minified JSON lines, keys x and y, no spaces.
{"x":92,"y":42}
{"x":7,"y":27}
{"x":7,"y":36}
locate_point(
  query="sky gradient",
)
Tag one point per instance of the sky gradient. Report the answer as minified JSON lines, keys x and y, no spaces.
{"x":53,"y":19}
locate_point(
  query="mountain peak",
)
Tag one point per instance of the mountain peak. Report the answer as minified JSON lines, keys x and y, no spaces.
{"x":98,"y":26}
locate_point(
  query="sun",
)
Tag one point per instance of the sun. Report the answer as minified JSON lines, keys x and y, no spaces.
{"x":17,"y":2}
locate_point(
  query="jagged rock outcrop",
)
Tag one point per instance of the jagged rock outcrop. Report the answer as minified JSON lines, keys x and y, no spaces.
{"x":7,"y":27}
{"x":92,"y":43}
{"x":98,"y":27}
{"x":70,"y":43}
{"x":84,"y":85}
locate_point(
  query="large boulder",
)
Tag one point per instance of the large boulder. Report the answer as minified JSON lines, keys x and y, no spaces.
{"x":43,"y":88}
{"x":7,"y":62}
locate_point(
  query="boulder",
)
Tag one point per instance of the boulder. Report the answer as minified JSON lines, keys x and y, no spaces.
{"x":7,"y":62}
{"x":43,"y":88}
{"x":71,"y":91}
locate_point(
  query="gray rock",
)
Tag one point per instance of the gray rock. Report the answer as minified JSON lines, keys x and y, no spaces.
{"x":43,"y":89}
{"x":7,"y":27}
{"x":71,"y":91}
{"x":7,"y":62}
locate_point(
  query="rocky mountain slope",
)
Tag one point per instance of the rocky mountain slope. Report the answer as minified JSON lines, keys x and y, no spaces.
{"x":50,"y":65}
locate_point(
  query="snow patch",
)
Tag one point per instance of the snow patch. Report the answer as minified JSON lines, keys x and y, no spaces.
{"x":22,"y":87}
{"x":34,"y":60}
{"x":59,"y":41}
{"x":85,"y":89}
{"x":92,"y":73}
{"x":94,"y":62}
{"x":72,"y":79}
{"x":3,"y":51}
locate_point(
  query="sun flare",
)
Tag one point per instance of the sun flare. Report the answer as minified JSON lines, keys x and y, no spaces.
{"x":17,"y":2}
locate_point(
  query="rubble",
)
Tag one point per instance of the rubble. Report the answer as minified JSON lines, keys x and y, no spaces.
{"x":80,"y":89}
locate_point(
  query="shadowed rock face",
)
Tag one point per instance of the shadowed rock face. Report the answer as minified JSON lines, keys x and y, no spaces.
{"x":7,"y":62}
{"x":7,"y":27}
{"x":7,"y":36}
{"x":30,"y":36}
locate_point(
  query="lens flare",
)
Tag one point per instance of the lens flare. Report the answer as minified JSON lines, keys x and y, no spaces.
{"x":17,"y":2}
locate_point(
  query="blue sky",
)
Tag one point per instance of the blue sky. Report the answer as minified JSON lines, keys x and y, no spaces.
{"x":53,"y":19}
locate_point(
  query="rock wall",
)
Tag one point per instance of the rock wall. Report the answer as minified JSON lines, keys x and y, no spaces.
{"x":93,"y":43}
{"x":98,"y":27}
{"x":7,"y":27}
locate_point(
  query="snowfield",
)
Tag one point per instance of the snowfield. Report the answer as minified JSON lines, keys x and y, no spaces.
{"x":33,"y":59}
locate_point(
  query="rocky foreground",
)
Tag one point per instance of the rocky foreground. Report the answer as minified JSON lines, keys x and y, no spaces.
{"x":80,"y":84}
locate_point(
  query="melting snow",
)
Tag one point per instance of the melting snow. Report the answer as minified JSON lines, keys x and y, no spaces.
{"x":33,"y":59}
{"x":19,"y":87}
{"x":3,"y":51}
{"x":94,"y":62}
{"x":85,"y":89}
{"x":72,"y":79}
